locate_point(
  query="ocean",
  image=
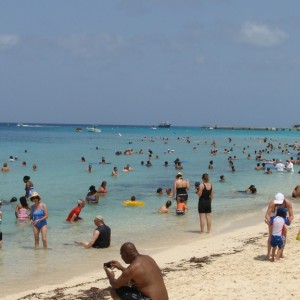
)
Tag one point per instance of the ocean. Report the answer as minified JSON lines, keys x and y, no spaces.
{"x":61,"y":179}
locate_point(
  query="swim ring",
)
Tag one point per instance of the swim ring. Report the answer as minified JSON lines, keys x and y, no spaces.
{"x":133,"y":203}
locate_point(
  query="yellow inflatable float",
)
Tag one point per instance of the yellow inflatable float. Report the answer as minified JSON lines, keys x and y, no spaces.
{"x":133,"y":203}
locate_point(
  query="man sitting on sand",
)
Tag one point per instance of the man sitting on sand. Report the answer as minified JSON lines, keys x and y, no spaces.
{"x":101,"y":235}
{"x":143,"y":275}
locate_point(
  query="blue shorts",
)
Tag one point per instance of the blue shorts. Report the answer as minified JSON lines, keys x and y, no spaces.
{"x":130,"y":293}
{"x":180,"y":212}
{"x":277,"y":241}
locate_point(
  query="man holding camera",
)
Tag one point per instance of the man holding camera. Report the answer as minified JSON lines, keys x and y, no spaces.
{"x":143,"y":274}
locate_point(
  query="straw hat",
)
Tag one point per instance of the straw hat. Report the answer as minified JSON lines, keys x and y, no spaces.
{"x":35,"y":194}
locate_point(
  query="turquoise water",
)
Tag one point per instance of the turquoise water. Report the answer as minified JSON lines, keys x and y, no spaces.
{"x":61,"y":179}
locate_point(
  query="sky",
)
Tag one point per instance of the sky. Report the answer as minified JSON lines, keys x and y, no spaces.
{"x":141,"y":62}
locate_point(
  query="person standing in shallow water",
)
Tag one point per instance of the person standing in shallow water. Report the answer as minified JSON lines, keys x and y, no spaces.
{"x":180,"y":188}
{"x":38,"y":219}
{"x":205,"y":193}
{"x":28,"y":186}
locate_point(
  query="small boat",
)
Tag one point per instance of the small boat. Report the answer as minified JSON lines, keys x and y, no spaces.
{"x":78,"y":129}
{"x":164,"y":125}
{"x":93,"y":129}
{"x":153,"y":128}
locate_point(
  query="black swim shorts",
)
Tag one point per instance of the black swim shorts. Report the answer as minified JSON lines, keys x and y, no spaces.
{"x":129,"y":293}
{"x":0,"y":236}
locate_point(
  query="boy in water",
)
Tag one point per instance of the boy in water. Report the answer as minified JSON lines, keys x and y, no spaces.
{"x":278,"y":224}
{"x":181,"y":207}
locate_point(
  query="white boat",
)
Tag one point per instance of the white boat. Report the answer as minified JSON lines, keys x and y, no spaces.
{"x":153,"y":127}
{"x":93,"y":129}
{"x":164,"y":125}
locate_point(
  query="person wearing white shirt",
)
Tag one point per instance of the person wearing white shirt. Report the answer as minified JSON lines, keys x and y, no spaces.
{"x":289,"y":166}
{"x":280,"y":167}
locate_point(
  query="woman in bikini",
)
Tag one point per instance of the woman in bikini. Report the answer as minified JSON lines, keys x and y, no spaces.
{"x":92,"y":196}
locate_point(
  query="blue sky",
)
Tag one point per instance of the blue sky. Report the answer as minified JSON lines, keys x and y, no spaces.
{"x":191,"y":62}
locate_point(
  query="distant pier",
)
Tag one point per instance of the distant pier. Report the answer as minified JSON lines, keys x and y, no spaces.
{"x":251,"y":128}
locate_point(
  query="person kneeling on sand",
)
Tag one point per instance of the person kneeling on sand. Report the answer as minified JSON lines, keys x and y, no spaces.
{"x":143,"y":274}
{"x":101,"y":236}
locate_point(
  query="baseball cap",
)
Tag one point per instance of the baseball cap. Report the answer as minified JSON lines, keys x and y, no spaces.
{"x":279,"y":198}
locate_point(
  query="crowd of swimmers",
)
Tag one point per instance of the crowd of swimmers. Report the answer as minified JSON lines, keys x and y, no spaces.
{"x":179,"y":192}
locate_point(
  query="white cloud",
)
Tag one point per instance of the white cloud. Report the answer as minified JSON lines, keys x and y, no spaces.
{"x":89,"y":46}
{"x":8,"y":41}
{"x":261,"y":35}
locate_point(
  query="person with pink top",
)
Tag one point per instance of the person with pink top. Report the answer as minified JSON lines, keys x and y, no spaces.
{"x":22,"y":210}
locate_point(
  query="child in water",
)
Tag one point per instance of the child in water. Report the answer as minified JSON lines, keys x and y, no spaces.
{"x":181,"y":207}
{"x":165,"y":208}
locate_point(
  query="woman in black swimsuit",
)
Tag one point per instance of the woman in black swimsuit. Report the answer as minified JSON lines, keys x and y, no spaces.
{"x":180,"y":188}
{"x":205,"y":193}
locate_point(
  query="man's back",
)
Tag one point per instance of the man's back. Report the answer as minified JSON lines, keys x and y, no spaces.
{"x":280,"y":167}
{"x":146,"y":276}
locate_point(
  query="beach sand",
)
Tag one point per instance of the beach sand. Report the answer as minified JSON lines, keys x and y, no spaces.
{"x":227,"y":265}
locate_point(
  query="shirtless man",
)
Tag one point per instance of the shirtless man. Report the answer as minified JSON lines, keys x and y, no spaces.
{"x":143,"y":273}
{"x":279,"y":201}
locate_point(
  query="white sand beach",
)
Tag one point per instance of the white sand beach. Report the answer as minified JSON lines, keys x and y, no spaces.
{"x":227,"y":265}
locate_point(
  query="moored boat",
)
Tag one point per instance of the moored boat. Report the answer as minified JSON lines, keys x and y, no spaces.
{"x":166,"y":124}
{"x":93,"y":129}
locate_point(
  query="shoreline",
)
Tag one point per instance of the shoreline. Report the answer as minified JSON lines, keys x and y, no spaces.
{"x":238,"y":250}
